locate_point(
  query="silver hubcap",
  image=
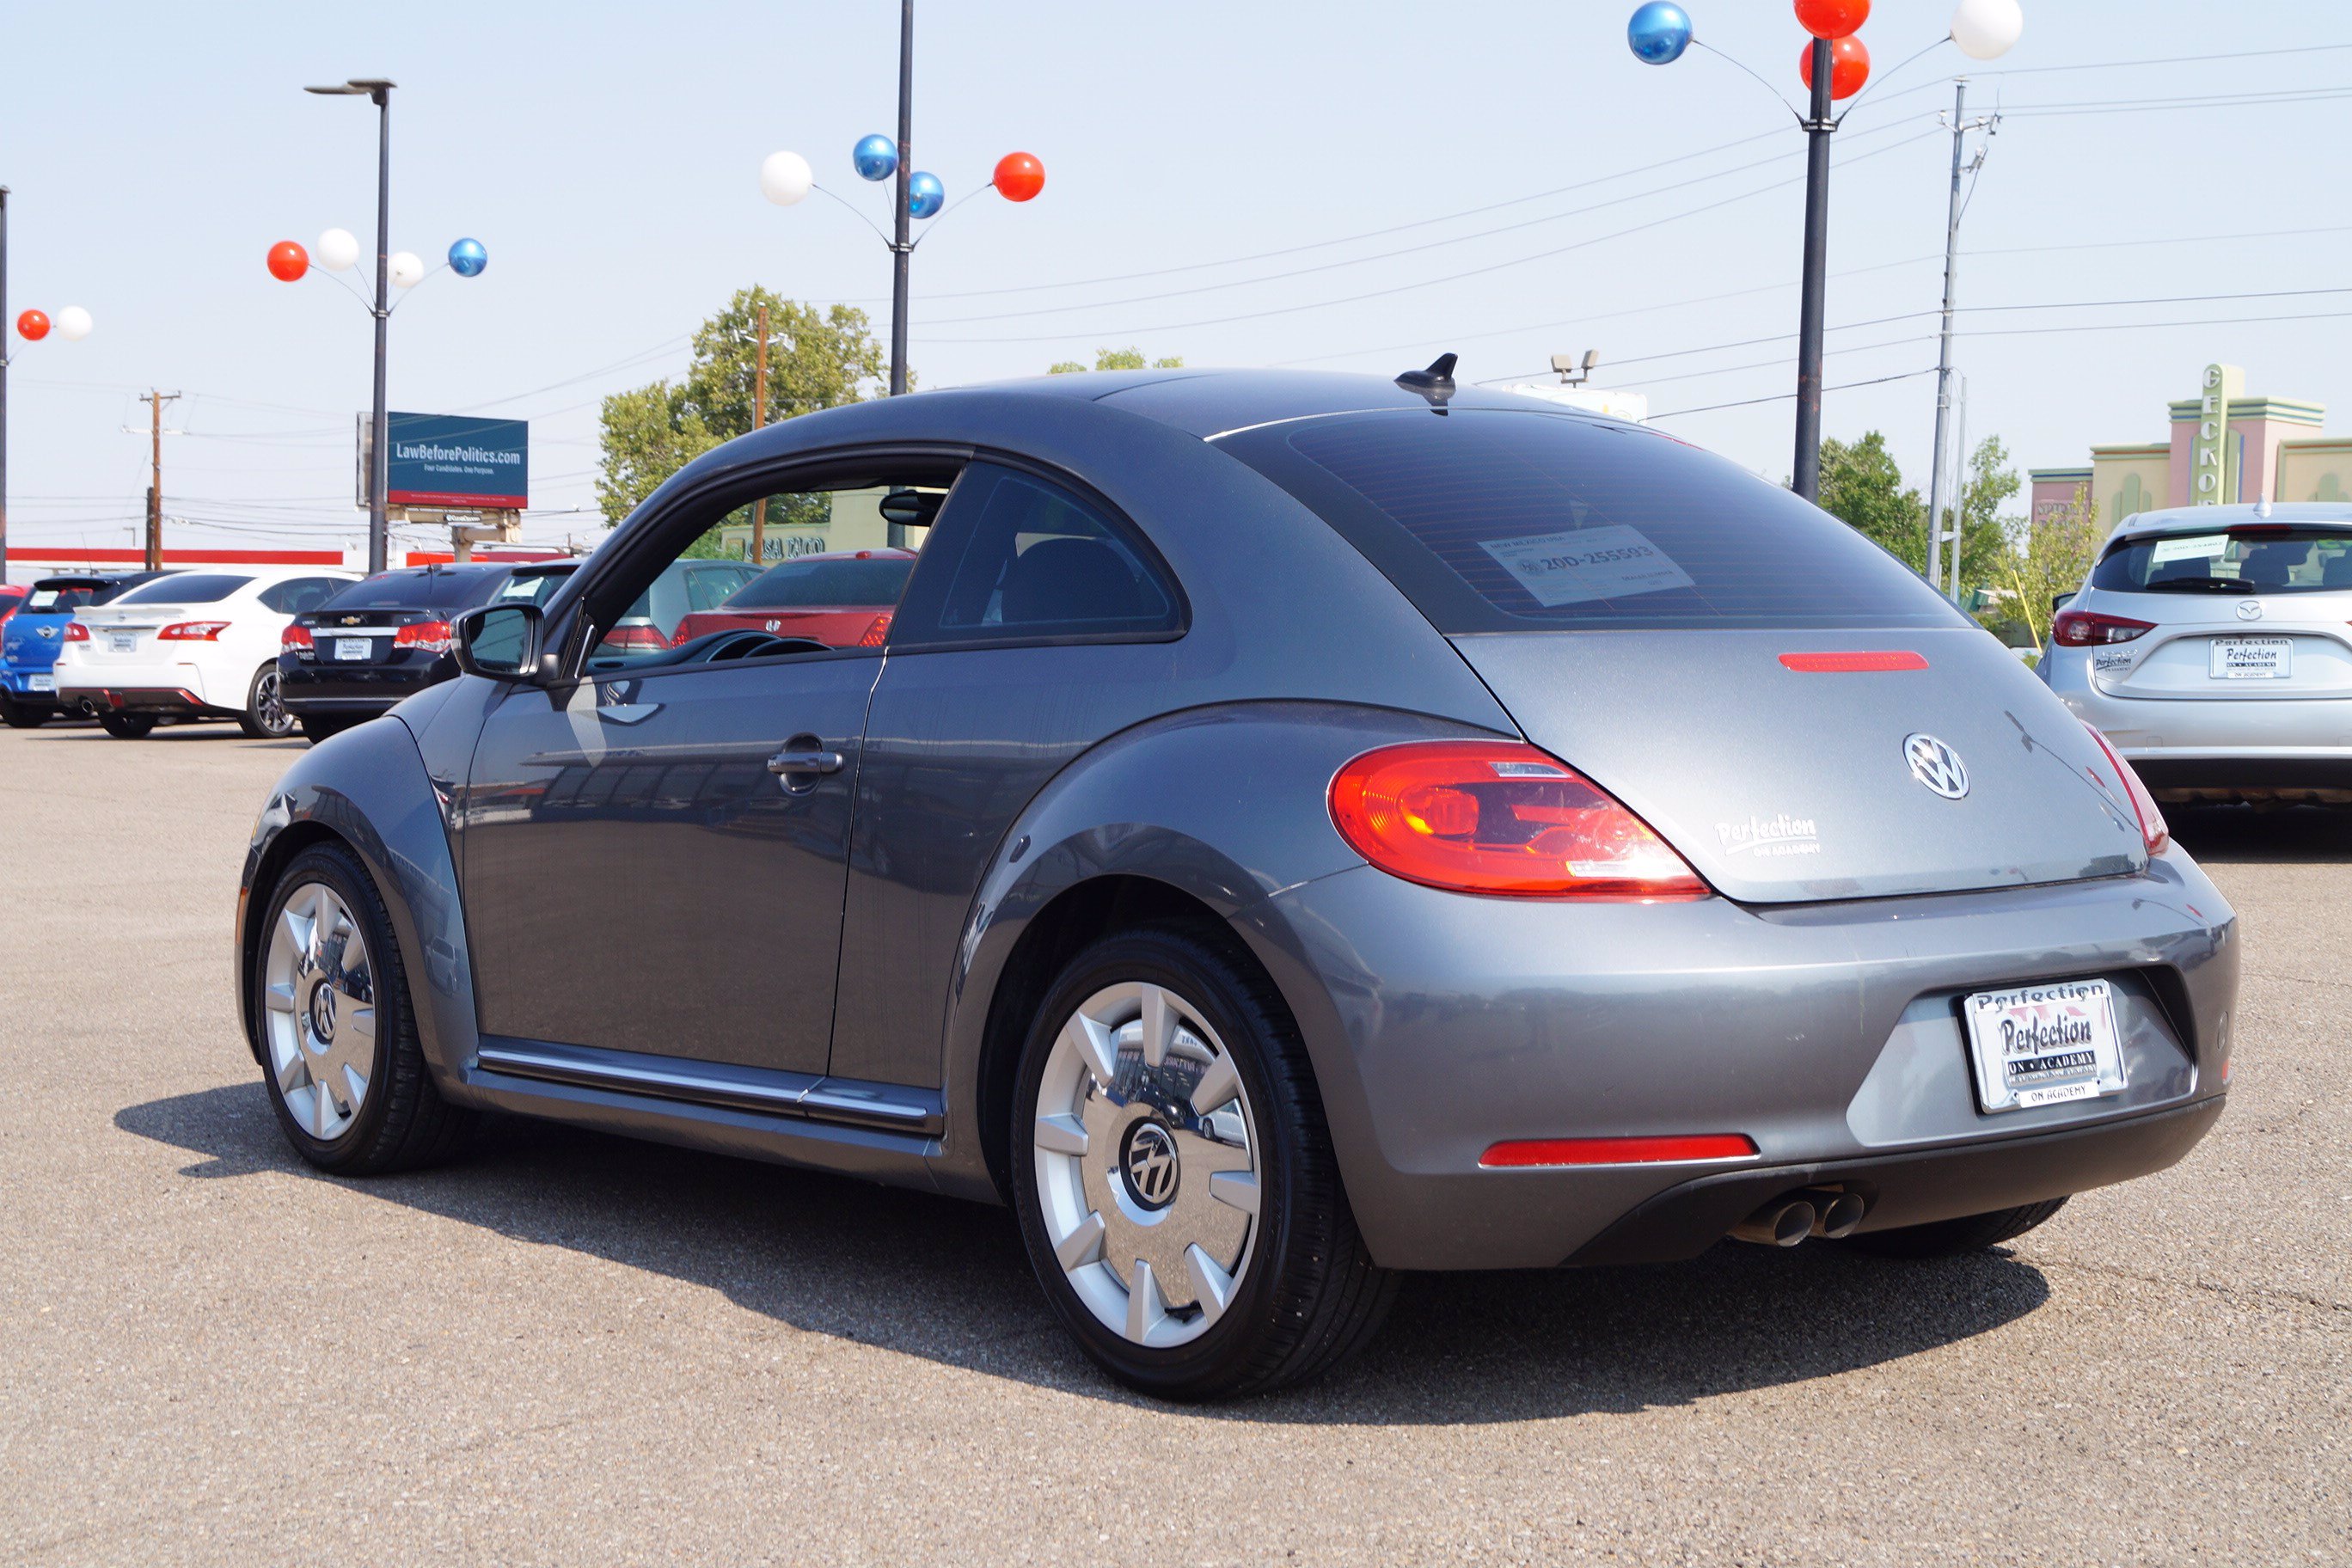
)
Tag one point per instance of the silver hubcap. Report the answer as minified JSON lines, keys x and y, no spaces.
{"x":1145,"y":1153}
{"x":318,"y":997}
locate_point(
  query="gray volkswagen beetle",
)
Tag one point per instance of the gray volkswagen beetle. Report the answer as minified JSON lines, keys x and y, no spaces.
{"x":1282,"y":830}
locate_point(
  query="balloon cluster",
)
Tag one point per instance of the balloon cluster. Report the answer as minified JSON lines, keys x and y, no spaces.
{"x":339,"y":251}
{"x":786,"y":177}
{"x":72,"y":324}
{"x":1660,"y":31}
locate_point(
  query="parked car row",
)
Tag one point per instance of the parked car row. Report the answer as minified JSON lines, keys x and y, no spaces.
{"x":282,"y":649}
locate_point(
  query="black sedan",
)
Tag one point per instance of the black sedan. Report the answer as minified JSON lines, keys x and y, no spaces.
{"x":379,"y":641}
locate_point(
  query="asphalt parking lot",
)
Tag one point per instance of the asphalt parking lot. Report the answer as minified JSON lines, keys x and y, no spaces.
{"x":569,"y":1349}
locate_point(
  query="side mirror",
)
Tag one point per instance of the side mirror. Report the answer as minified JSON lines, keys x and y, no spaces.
{"x":500,"y":641}
{"x":2059,"y":602}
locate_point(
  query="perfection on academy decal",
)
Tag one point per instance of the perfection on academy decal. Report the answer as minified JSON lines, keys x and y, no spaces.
{"x":458,"y":460}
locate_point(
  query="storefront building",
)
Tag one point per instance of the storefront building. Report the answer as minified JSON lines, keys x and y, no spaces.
{"x":2225,"y":445}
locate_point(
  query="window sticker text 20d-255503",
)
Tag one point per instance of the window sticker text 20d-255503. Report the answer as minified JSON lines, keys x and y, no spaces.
{"x":1575,"y":566}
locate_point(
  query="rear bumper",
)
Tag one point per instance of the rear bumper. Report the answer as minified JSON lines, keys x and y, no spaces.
{"x":302,"y":705}
{"x":348,"y":690}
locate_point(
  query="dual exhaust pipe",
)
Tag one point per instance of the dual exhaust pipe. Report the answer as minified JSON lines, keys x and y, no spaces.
{"x":1823,"y":1212}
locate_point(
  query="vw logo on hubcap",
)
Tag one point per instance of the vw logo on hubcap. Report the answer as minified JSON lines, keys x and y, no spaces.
{"x":1149,"y":1164}
{"x":1935,"y":765}
{"x":322,"y":1013}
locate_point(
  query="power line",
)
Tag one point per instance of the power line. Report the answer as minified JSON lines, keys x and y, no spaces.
{"x":1785,"y":396}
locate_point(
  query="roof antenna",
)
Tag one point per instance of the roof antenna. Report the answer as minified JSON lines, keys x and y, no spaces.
{"x":1436,"y":384}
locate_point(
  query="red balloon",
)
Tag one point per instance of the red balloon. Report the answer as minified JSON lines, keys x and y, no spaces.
{"x":32,"y":326}
{"x":1832,"y":18}
{"x":1849,"y":67}
{"x":1019,"y":176}
{"x":289,"y":261}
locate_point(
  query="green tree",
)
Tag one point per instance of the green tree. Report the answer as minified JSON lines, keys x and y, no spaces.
{"x":1117,"y":359}
{"x":1862,"y":486}
{"x":2050,"y":555}
{"x":815,"y":360}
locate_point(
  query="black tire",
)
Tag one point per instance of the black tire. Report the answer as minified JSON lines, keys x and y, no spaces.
{"x":19,"y":716}
{"x":127,"y":726}
{"x":317,"y":730}
{"x":1950,"y":1238}
{"x":264,"y":717}
{"x":403,"y":1123}
{"x":1310,"y":1296}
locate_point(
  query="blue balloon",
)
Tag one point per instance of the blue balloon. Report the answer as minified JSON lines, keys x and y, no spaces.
{"x":877,"y":157}
{"x":467,"y":259}
{"x":925,"y":195}
{"x":1659,"y":33}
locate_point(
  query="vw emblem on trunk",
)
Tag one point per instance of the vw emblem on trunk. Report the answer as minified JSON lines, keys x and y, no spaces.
{"x":1935,"y":765}
{"x":2250,"y":609}
{"x":1150,"y":1163}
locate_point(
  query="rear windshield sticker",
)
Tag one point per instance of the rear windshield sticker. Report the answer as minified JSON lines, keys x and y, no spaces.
{"x":2203,"y":547}
{"x":1611,"y":562}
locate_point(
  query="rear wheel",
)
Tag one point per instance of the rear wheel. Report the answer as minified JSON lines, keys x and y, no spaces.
{"x":1173,"y":1176}
{"x":20,"y":716}
{"x":264,"y":717}
{"x":339,"y":1046}
{"x":317,"y":730}
{"x":126,"y":726}
{"x":1950,"y":1238}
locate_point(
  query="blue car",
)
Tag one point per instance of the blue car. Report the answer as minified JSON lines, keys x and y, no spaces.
{"x":31,"y":639}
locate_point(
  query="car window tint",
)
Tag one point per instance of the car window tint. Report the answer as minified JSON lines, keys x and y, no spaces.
{"x":297,"y":594}
{"x":1038,"y":562}
{"x":530,"y":587}
{"x":56,"y":601}
{"x":2255,"y":560}
{"x":418,"y":588}
{"x":866,"y":579}
{"x":1494,"y":519}
{"x":185,"y":588}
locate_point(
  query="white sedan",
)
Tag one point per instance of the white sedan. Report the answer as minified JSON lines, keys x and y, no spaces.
{"x":193,"y":645}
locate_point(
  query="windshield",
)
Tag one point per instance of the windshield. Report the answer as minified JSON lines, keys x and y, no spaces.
{"x":185,"y":588}
{"x":529,"y":589}
{"x":419,"y":589}
{"x":878,"y":580}
{"x":1496,"y":521}
{"x":2257,"y":559}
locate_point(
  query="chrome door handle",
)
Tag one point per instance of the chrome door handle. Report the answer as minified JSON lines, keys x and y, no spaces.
{"x":795,"y":763}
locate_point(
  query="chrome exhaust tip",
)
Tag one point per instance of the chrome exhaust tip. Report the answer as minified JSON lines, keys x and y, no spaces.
{"x":1836,"y":1214}
{"x":1783,"y":1222}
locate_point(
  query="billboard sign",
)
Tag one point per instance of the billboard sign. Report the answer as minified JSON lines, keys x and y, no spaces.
{"x":456,"y":461}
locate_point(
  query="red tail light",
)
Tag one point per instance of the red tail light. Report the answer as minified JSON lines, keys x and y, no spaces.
{"x":192,"y":631}
{"x":879,"y":632}
{"x":297,"y":640}
{"x":77,"y":632}
{"x":1618,"y":1151}
{"x":2088,"y":628}
{"x":433,"y":637}
{"x":2153,"y":829}
{"x":1496,"y":817}
{"x":647,"y":637}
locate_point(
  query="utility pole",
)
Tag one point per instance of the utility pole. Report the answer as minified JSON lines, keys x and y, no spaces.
{"x":1938,"y":486}
{"x":1959,"y":486}
{"x":156,"y":401}
{"x":1805,"y":476}
{"x":759,"y":422}
{"x":902,"y":248}
{"x":3,"y":384}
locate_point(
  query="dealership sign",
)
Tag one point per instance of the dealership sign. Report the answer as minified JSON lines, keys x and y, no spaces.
{"x":450,"y":460}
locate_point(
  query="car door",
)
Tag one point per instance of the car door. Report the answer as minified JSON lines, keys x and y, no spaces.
{"x":654,"y":855}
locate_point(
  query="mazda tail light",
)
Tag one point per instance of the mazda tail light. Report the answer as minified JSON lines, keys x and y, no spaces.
{"x":2153,"y":829}
{"x":192,"y":631}
{"x":879,"y":632}
{"x":2088,"y":628}
{"x":77,"y":632}
{"x":1501,"y":817}
{"x":433,"y":637}
{"x":295,"y":640}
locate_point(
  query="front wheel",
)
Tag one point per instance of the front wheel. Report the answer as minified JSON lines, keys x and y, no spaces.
{"x":20,"y":716}
{"x":1950,"y":1238}
{"x":1174,"y":1178}
{"x":127,"y":726}
{"x":264,"y":717}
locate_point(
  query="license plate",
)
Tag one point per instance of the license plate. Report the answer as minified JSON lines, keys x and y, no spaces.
{"x":41,"y":683}
{"x":353,"y":647}
{"x":2042,"y":1045}
{"x":123,"y":642}
{"x":2252,"y":658}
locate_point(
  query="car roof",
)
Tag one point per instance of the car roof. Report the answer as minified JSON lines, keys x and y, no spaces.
{"x":1208,"y":403}
{"x":2205,"y":519}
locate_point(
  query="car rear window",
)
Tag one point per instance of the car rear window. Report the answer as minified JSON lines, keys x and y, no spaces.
{"x":56,"y":601}
{"x":185,"y":588}
{"x":1494,"y":519}
{"x":2261,"y":558}
{"x":878,"y":581}
{"x":413,"y":590}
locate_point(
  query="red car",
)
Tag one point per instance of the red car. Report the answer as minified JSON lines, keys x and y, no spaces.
{"x":843,"y":599}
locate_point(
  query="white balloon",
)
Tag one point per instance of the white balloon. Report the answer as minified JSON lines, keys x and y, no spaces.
{"x":73,"y":323}
{"x":785,"y":178}
{"x":1986,"y":28}
{"x":407,"y":270}
{"x":337,"y":249}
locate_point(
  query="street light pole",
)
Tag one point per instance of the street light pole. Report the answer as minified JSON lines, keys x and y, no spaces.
{"x":3,"y":384}
{"x":379,"y":480}
{"x":902,"y":247}
{"x":1805,"y":475}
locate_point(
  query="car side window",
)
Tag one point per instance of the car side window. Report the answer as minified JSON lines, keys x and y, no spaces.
{"x":297,"y":594}
{"x":1034,"y":562}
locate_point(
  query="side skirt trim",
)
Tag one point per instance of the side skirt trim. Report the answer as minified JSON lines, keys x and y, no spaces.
{"x":854,"y":1103}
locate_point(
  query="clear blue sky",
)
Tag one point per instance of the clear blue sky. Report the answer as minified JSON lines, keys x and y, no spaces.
{"x":607,"y":155}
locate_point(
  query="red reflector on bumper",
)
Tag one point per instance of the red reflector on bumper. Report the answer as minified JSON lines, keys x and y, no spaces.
{"x":1851,"y":663}
{"x":1618,"y":1151}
